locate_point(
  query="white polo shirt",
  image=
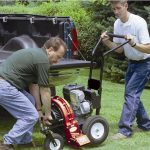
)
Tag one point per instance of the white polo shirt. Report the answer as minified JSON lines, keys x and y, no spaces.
{"x":137,"y":27}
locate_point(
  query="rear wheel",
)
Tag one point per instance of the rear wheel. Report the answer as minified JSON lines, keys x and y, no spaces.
{"x":48,"y":144}
{"x":96,"y":128}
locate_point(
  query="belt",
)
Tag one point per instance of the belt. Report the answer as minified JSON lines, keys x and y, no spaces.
{"x":139,"y":61}
{"x":1,"y":78}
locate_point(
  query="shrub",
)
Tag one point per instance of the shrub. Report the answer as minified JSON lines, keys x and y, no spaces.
{"x":91,"y":18}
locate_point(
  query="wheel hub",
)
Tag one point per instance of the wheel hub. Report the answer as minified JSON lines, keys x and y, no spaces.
{"x":51,"y":145}
{"x":97,"y":130}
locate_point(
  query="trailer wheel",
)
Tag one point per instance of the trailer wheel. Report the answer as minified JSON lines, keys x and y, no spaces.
{"x":96,"y":128}
{"x":48,"y":145}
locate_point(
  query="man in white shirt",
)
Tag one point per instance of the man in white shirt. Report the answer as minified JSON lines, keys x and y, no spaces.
{"x":138,"y":72}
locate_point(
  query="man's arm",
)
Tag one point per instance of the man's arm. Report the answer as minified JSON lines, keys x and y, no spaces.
{"x":35,"y":92}
{"x":44,"y":94}
{"x":46,"y":100}
{"x":145,"y":48}
{"x":110,"y":44}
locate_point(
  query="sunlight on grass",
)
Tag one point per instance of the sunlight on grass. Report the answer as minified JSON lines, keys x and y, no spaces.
{"x":112,"y":101}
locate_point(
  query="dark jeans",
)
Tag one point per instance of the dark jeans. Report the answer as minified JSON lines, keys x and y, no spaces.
{"x":137,"y":76}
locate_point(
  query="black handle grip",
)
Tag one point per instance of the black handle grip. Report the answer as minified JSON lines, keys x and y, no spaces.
{"x":116,"y":35}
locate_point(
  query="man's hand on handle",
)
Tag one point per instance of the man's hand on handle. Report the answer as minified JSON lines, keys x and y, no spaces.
{"x":44,"y":119}
{"x":131,"y":39}
{"x":104,"y":36}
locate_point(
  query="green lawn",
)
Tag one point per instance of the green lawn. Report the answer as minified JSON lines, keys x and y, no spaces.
{"x":112,"y":100}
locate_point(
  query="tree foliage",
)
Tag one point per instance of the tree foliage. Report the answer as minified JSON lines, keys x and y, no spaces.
{"x":103,"y":19}
{"x":91,"y":18}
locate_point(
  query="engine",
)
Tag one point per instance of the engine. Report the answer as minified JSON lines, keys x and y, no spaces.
{"x":74,"y":94}
{"x":83,"y":101}
{"x":78,"y":103}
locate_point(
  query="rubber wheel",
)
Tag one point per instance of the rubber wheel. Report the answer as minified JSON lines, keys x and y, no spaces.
{"x":96,"y":128}
{"x":48,"y":145}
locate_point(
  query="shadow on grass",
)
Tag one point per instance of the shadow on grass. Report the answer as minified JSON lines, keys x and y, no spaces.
{"x":91,"y":146}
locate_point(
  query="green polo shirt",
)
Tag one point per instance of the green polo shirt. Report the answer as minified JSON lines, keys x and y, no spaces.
{"x":26,"y":66}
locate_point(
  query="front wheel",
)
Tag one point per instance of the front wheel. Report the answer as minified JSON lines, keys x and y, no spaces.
{"x":96,"y":128}
{"x":48,"y":144}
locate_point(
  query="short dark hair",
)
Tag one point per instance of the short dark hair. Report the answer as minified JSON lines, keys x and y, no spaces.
{"x":120,"y":1}
{"x":55,"y":43}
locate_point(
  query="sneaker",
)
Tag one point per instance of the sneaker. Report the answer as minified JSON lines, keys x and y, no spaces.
{"x":6,"y":147}
{"x":119,"y":136}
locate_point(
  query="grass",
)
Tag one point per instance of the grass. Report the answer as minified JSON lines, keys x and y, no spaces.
{"x":112,"y":101}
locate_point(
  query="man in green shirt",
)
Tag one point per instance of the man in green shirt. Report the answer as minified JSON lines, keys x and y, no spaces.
{"x":28,"y":68}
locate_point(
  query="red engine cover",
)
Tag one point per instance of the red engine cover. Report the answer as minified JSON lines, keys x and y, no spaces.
{"x":73,"y":133}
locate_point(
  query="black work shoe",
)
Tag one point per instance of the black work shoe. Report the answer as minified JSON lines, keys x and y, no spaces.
{"x":6,"y":147}
{"x":27,"y":145}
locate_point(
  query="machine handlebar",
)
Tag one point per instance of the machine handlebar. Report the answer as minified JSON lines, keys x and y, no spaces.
{"x":116,"y":35}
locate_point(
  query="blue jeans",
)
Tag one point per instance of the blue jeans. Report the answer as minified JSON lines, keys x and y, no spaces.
{"x":21,"y":106}
{"x":137,"y":76}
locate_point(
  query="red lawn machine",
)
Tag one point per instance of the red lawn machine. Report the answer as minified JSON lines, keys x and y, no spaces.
{"x":73,"y":118}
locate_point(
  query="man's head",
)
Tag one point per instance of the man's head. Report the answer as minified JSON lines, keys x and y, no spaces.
{"x":119,"y":8}
{"x":55,"y":48}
